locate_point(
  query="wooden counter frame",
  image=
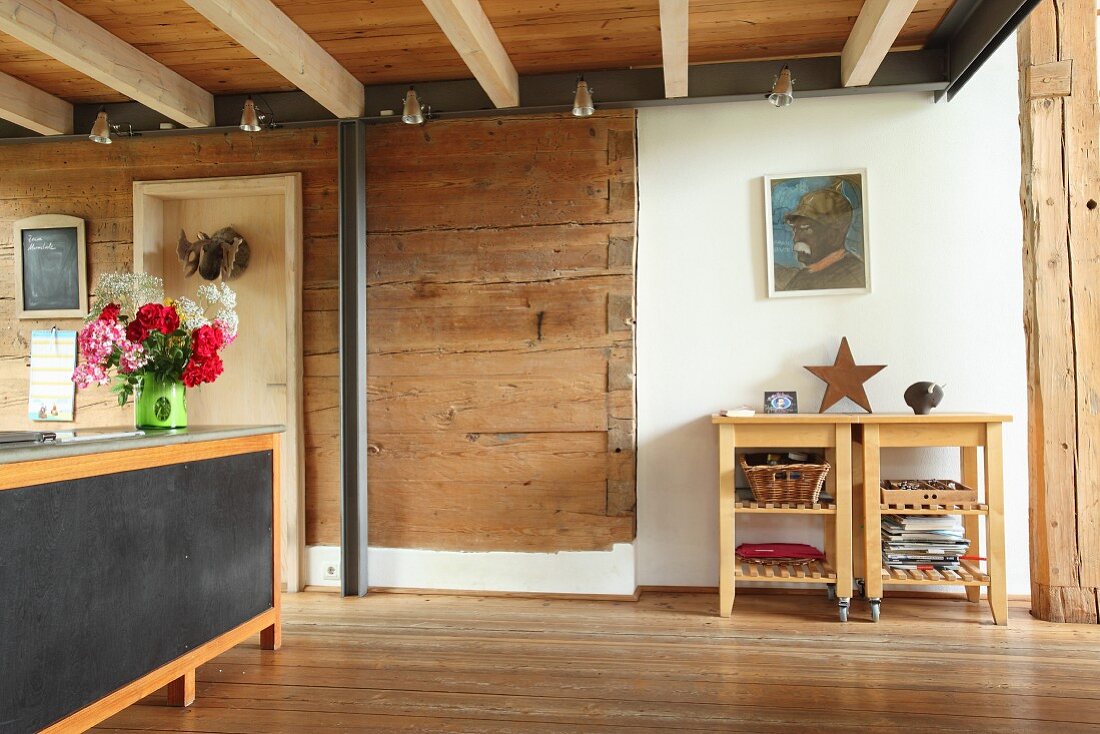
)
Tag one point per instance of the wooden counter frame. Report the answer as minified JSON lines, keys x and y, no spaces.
{"x":968,"y":432}
{"x":829,"y":432}
{"x":179,"y":674}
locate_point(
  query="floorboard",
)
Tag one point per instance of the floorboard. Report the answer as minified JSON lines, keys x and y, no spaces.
{"x":408,"y":663}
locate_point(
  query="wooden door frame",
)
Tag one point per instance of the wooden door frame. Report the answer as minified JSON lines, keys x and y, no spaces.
{"x":148,"y":217}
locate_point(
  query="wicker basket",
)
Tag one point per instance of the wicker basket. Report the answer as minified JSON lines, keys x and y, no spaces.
{"x":785,"y":482}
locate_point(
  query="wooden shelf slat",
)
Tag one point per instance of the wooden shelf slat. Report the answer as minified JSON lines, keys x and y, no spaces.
{"x":958,"y":508}
{"x":968,"y":575}
{"x":804,"y":508}
{"x":817,"y":572}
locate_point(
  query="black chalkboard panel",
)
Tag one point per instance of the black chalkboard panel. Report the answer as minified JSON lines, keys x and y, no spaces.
{"x":51,"y":269}
{"x":105,"y":579}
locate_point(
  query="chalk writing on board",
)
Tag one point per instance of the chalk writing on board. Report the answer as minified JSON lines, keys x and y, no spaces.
{"x":51,"y":269}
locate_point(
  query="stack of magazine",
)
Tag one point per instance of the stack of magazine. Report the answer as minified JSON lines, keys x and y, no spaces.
{"x":923,"y":542}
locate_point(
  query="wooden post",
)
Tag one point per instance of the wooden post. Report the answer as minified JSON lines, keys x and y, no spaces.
{"x":1059,"y":125}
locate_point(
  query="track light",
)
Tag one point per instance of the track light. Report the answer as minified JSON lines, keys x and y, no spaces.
{"x":414,"y":112}
{"x":102,"y":128}
{"x":582,"y":99}
{"x":250,"y":119}
{"x":783,"y":89}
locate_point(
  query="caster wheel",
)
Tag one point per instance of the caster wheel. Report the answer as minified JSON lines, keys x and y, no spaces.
{"x":875,"y":610}
{"x":830,"y":591}
{"x":842,"y":610}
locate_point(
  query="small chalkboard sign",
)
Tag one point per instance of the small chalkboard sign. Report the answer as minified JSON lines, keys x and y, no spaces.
{"x":50,"y":267}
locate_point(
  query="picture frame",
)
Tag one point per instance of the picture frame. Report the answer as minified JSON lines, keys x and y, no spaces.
{"x":780,"y":402}
{"x":817,"y":232}
{"x":51,"y":267}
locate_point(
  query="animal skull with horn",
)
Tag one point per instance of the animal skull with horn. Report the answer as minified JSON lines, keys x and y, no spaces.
{"x":226,"y":254}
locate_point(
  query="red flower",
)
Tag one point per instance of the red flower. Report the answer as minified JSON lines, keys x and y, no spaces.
{"x":198,"y":372}
{"x":212,"y":369}
{"x":136,"y":332}
{"x":149,"y":316}
{"x":110,"y":312}
{"x":169,"y":320}
{"x":207,"y":340}
{"x":155,"y":317}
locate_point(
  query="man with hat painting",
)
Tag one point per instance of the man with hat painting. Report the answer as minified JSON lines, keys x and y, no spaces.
{"x":819,"y":229}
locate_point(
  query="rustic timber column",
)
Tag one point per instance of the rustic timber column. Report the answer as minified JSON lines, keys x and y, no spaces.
{"x":1060,"y":123}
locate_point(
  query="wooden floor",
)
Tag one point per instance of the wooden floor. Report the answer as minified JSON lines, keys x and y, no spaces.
{"x":400,"y":663}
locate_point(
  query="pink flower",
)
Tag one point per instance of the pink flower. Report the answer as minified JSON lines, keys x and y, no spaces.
{"x":97,"y":340}
{"x":229,"y":334}
{"x":85,"y":375}
{"x":132,"y":357}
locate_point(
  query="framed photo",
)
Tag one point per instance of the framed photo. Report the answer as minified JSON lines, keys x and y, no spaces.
{"x":817,"y":233}
{"x":50,"y":267}
{"x":781,"y":402}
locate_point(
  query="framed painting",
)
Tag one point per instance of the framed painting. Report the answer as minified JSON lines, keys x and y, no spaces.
{"x":817,"y":234}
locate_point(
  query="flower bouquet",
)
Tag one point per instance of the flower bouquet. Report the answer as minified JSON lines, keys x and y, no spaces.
{"x":154,"y":348}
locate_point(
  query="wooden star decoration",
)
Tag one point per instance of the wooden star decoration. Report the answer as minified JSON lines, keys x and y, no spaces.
{"x":845,"y":379}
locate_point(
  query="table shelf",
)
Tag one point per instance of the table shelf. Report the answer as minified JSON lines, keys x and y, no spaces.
{"x":968,"y":575}
{"x":958,"y":508}
{"x":816,"y":572}
{"x":780,"y":508}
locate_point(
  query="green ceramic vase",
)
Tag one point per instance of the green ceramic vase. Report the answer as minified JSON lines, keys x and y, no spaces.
{"x":160,"y":404}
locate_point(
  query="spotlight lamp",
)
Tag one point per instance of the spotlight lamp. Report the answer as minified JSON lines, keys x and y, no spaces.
{"x":252,"y":120}
{"x":102,"y":129}
{"x":414,"y":112}
{"x":582,"y":99}
{"x":783,"y":89}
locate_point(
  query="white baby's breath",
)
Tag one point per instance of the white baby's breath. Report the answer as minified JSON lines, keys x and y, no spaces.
{"x":130,"y":291}
{"x":192,"y":315}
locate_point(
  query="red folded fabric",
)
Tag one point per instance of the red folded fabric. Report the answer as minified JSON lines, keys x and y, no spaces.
{"x":779,"y":550}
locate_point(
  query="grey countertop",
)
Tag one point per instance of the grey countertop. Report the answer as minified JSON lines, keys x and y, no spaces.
{"x":98,"y":441}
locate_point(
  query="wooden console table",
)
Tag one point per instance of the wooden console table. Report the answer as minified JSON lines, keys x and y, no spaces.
{"x":830,"y":432}
{"x":968,"y":432}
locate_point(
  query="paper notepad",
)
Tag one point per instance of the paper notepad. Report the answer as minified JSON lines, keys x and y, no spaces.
{"x":52,"y":392}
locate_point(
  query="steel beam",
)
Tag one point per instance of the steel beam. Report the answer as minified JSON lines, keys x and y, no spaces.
{"x":914,"y":71}
{"x":353,"y":357}
{"x":984,"y":30}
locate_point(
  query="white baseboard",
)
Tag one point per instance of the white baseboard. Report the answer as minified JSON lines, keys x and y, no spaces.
{"x":568,"y":572}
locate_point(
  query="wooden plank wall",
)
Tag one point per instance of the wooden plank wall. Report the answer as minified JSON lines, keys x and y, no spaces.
{"x":501,"y":260}
{"x":501,"y":315}
{"x":95,"y":182}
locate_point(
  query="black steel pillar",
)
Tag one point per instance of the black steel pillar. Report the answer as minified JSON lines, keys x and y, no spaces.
{"x":353,"y":357}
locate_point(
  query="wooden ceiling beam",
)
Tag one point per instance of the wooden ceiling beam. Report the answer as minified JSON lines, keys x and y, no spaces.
{"x":472,"y":35}
{"x":58,"y":31}
{"x":34,"y":109}
{"x":876,"y":29}
{"x":674,"y":47}
{"x":278,"y":41}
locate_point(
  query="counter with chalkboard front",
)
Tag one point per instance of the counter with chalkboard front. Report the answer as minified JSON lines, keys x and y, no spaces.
{"x":127,"y":563}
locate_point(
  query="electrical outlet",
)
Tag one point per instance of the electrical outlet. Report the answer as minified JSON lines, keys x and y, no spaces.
{"x":332,"y":573}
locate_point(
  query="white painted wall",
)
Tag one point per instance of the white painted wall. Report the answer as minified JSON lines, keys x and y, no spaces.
{"x":945,"y":233}
{"x":568,"y":572}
